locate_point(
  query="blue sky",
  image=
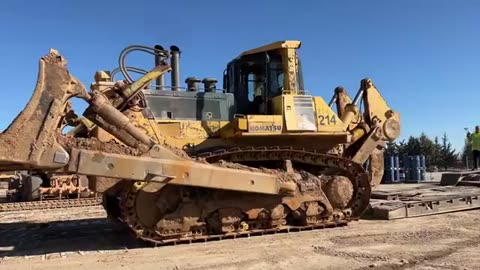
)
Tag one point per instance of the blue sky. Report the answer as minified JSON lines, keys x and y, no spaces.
{"x":422,"y":55}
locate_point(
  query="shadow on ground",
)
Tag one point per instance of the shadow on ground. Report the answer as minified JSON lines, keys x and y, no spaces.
{"x":29,"y":239}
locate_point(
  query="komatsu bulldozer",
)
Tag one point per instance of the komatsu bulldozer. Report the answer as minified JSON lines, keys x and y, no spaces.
{"x":193,"y":163}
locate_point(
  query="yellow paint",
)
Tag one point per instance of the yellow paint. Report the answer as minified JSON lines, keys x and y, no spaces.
{"x":285,"y":44}
{"x":294,"y":115}
{"x":266,"y":124}
{"x":290,"y":71}
{"x":277,"y":104}
{"x":377,"y":106}
{"x":137,"y":119}
{"x":241,"y":124}
{"x":327,"y":119}
{"x":294,"y":119}
{"x":184,"y":133}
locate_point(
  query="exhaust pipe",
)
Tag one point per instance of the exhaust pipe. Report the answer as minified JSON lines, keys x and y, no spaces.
{"x":160,"y":81}
{"x":175,"y":64}
{"x":192,"y":84}
{"x":210,"y":84}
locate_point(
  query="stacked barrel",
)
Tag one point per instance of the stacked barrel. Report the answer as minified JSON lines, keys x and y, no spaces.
{"x":413,"y":169}
{"x":416,"y":169}
{"x":392,"y":169}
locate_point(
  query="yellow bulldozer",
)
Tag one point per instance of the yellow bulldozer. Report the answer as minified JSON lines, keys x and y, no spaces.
{"x":194,"y":163}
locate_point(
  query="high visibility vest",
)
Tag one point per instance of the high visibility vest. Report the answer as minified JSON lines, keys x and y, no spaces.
{"x":475,"y":139}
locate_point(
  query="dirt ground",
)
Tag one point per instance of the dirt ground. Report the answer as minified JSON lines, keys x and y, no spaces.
{"x":83,"y":239}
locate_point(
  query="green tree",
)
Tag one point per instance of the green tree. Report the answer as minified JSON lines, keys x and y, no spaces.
{"x":413,"y":146}
{"x":391,"y":148}
{"x":428,"y":148}
{"x":447,"y":154}
{"x":436,"y":153}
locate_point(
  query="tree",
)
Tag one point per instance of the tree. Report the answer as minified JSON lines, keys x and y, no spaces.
{"x":391,"y":148}
{"x":413,"y":146}
{"x":402,"y":148}
{"x":436,"y":153}
{"x":447,"y":154}
{"x":428,"y":148}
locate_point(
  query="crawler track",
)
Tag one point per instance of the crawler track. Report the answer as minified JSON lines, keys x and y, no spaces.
{"x":308,"y":160}
{"x":49,"y":204}
{"x":234,"y":235}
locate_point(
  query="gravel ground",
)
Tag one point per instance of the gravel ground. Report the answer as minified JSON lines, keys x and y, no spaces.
{"x":83,"y":239}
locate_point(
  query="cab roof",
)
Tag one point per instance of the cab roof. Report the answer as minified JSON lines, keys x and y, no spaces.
{"x":284,"y":44}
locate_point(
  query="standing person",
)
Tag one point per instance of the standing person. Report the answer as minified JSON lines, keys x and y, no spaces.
{"x":475,"y":141}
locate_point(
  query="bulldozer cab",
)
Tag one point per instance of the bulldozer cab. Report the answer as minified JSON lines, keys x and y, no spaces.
{"x":257,"y":76}
{"x":267,"y":86}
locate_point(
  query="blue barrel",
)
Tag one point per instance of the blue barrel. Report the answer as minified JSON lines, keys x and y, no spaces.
{"x":389,"y":163}
{"x":406,"y":168}
{"x":416,"y":162}
{"x":416,"y":169}
{"x":396,"y":160}
{"x":407,"y":165}
{"x":389,"y":176}
{"x":423,"y":162}
{"x":416,"y":174}
{"x":423,"y":174}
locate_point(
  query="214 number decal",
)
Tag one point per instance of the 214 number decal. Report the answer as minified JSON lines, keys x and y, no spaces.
{"x":327,"y":120}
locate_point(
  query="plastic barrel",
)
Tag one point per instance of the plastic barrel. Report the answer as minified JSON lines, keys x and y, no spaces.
{"x":389,"y":163}
{"x":417,"y":174}
{"x":423,"y":162}
{"x":389,"y":171}
{"x":416,"y":169}
{"x":407,"y":161}
{"x":396,"y":161}
{"x":423,"y":168}
{"x":423,"y":174}
{"x":389,"y":176}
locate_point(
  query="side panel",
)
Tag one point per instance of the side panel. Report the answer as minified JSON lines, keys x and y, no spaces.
{"x":176,"y":105}
{"x":299,"y":113}
{"x":327,"y":119}
{"x":277,"y":105}
{"x":265,"y":124}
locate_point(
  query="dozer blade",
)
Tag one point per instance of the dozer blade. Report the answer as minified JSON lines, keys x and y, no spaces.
{"x":30,"y":140}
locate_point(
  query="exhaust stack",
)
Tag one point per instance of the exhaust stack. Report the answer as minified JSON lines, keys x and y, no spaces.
{"x":210,"y":84}
{"x":160,"y":81}
{"x":175,"y":64}
{"x":192,"y":84}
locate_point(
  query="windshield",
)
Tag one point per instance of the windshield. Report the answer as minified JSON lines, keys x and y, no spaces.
{"x":276,"y":80}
